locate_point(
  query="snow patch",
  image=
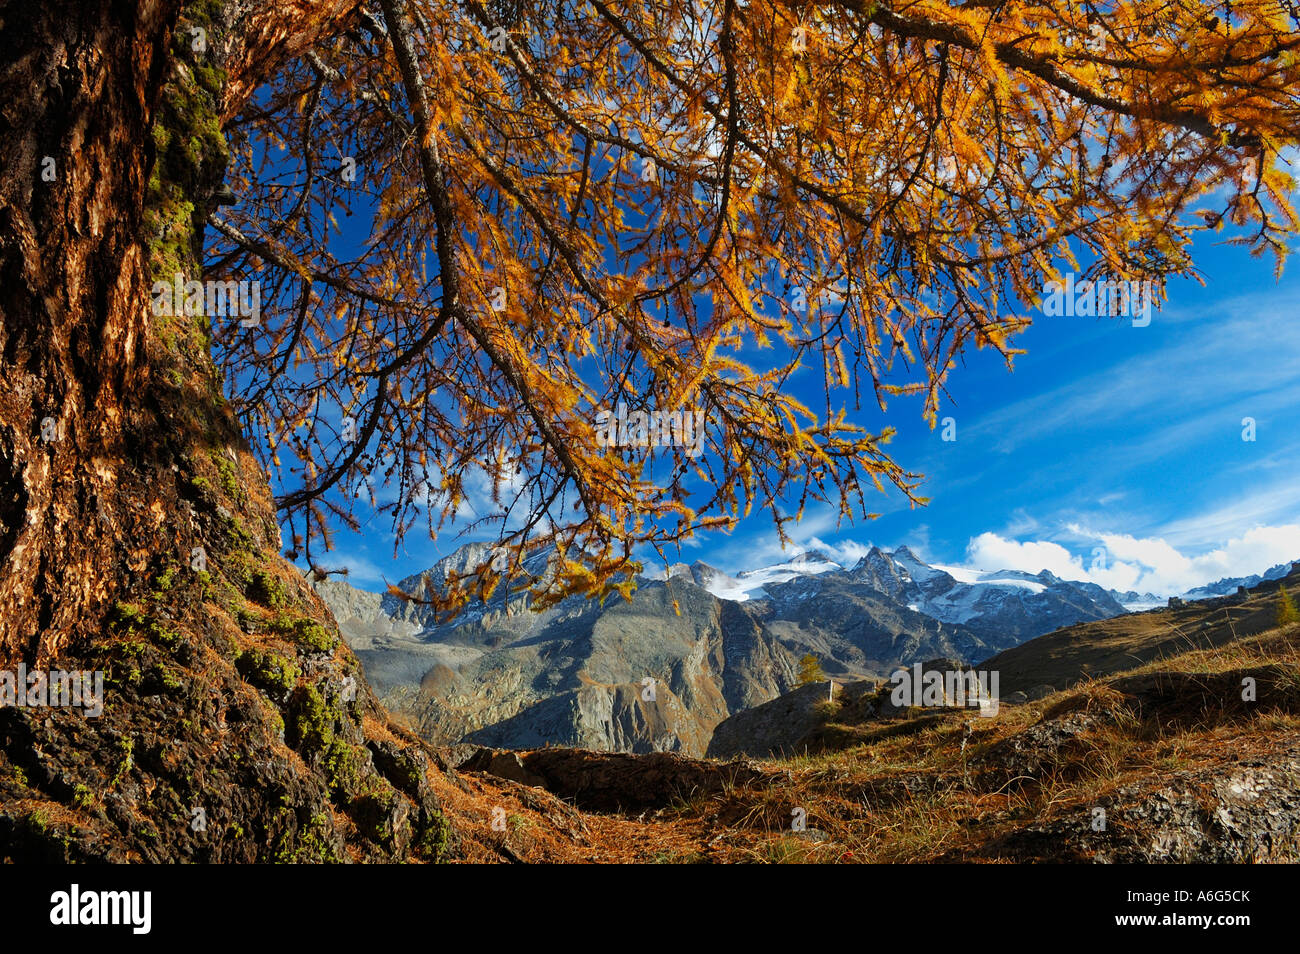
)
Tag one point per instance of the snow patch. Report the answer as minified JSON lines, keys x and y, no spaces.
{"x":1031,"y":585}
{"x":749,"y":584}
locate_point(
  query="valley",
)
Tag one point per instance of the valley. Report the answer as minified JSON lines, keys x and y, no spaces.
{"x":661,"y":672}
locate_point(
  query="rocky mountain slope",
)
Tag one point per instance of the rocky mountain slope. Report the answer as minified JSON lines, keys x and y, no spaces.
{"x":639,"y":677}
{"x":660,"y":672}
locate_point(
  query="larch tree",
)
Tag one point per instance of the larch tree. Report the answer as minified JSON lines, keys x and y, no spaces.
{"x":474,"y":227}
{"x":810,"y":670}
{"x":1287,"y":613}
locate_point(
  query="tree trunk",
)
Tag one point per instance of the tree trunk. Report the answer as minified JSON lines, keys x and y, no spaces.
{"x":81,"y":84}
{"x":137,"y":534}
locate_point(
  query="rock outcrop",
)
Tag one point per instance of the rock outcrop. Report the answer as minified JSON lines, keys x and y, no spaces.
{"x":775,"y":727}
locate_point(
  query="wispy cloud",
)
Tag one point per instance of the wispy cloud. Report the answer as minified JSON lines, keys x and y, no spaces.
{"x":1279,"y":501}
{"x":1181,"y":382}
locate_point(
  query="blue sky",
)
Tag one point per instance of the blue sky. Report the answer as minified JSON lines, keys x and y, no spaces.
{"x":1112,"y":452}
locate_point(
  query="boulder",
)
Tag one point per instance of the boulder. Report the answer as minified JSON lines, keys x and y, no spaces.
{"x":506,"y":765}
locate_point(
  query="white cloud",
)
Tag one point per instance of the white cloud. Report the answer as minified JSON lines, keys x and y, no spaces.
{"x":1147,"y":564}
{"x":989,"y":551}
{"x":844,"y":552}
{"x":1169,"y":571}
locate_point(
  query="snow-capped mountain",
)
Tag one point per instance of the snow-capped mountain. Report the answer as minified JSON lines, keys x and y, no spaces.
{"x":1135,"y":602}
{"x":1009,"y":601}
{"x":954,"y":594}
{"x":1228,"y":585}
{"x":752,"y":584}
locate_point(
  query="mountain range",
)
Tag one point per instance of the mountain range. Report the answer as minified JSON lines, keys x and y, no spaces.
{"x":1229,"y":585}
{"x":659,"y":672}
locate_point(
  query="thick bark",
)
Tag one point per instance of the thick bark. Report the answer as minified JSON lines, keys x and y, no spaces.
{"x":80,"y":85}
{"x":88,"y":441}
{"x":226,"y":690}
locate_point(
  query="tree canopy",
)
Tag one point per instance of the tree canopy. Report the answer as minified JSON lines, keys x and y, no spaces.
{"x":477,"y":225}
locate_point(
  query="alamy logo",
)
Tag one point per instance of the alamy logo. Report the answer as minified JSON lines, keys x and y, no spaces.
{"x":960,"y":689}
{"x":618,"y":428}
{"x":242,"y":299}
{"x":102,"y":907}
{"x":78,"y":688}
{"x":1115,"y":299}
